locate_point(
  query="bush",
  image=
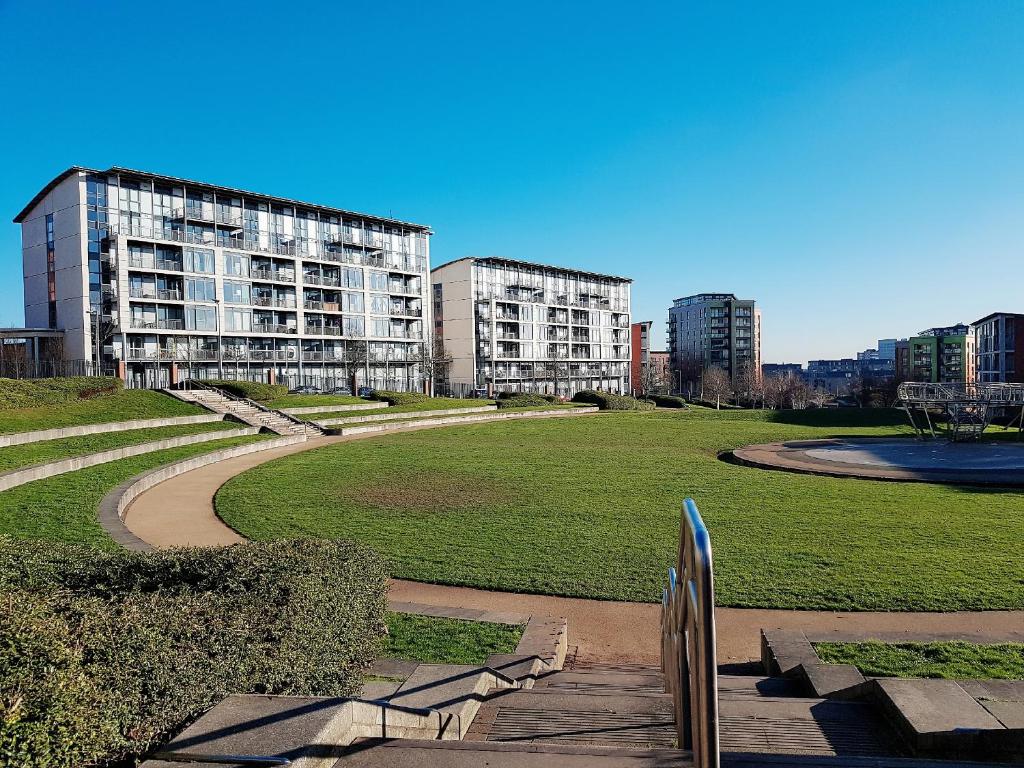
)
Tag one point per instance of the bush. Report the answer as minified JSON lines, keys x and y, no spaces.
{"x":515,"y":395}
{"x":31,"y":393}
{"x":398,"y":398}
{"x":523,"y":401}
{"x":107,"y":654}
{"x":608,"y":401}
{"x":667,"y":401}
{"x":251,"y":390}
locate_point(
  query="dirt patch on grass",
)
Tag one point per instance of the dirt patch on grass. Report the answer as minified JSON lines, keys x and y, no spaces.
{"x":429,"y":492}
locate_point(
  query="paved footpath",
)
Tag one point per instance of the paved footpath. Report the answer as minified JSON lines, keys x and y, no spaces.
{"x":179,"y":512}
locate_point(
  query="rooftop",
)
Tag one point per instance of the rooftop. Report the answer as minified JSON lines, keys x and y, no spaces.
{"x":532,"y":264}
{"x":117,"y":170}
{"x":700,"y":298}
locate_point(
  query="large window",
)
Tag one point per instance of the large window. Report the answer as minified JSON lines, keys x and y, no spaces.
{"x":380,"y":327}
{"x":378,"y":281}
{"x":352,"y":277}
{"x":352,"y":302}
{"x":353,"y":326}
{"x":237,"y":293}
{"x":199,"y":260}
{"x":200,"y":289}
{"x":238,"y":319}
{"x":236,"y":264}
{"x":379,"y":304}
{"x":201,"y":318}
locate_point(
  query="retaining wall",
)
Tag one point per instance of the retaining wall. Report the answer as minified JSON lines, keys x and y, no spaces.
{"x":332,"y":408}
{"x":21,"y":438}
{"x":406,"y":415}
{"x":461,"y":420}
{"x":116,"y":503}
{"x":18,"y":477}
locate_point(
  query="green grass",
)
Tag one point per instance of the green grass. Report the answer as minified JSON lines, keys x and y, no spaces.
{"x":307,"y":401}
{"x":63,"y":508}
{"x":433,"y":640}
{"x":434,"y":404}
{"x":124,"y":405}
{"x":17,"y":456}
{"x":590,"y":507}
{"x":951,"y":660}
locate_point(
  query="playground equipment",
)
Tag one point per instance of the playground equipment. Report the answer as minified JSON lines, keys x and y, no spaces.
{"x":969,"y":407}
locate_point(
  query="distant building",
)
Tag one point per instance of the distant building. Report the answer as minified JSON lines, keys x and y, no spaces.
{"x":868,"y":354}
{"x":943,"y":354}
{"x":887,"y":348}
{"x":660,"y":363}
{"x":713,"y":330}
{"x":838,"y":375}
{"x":998,"y":357}
{"x":640,"y":349}
{"x":781,"y":369}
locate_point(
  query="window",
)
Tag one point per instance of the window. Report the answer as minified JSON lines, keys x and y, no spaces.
{"x":236,"y":264}
{"x":352,"y":277}
{"x":199,"y":260}
{"x":51,"y":271}
{"x":379,"y":304}
{"x":353,"y":326}
{"x":380,"y":327}
{"x":238,"y":319}
{"x":378,"y":281}
{"x":237,"y":293}
{"x":201,"y":318}
{"x":352,"y":302}
{"x":200,"y":289}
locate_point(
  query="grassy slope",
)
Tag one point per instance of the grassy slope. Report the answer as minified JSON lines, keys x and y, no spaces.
{"x":951,"y":660}
{"x":590,"y":507}
{"x":434,"y":404}
{"x":63,"y":508}
{"x":121,"y":406}
{"x":17,"y":456}
{"x":433,"y":640}
{"x":306,"y":401}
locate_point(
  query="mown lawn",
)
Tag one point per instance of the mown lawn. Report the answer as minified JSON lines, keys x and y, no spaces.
{"x":63,"y":508}
{"x":124,"y":405}
{"x":307,"y":401}
{"x":17,"y":456}
{"x":434,"y":640}
{"x":433,"y":404}
{"x":951,"y":660}
{"x":589,"y":507}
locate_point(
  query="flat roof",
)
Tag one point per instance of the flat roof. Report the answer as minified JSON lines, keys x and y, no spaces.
{"x":533,"y":264}
{"x":707,"y":296}
{"x":997,"y":314}
{"x":213,"y":187}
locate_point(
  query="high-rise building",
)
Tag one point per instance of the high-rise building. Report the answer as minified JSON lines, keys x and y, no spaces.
{"x":942,"y":355}
{"x":513,"y":325}
{"x":713,"y":330}
{"x":184,"y":278}
{"x":998,"y":357}
{"x":887,"y":348}
{"x":640,"y":353}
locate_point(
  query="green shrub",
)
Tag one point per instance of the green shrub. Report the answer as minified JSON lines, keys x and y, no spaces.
{"x":30,"y":393}
{"x":106,"y":654}
{"x":516,"y":395}
{"x":523,"y":401}
{"x":607,"y":401}
{"x":251,"y":390}
{"x":667,"y":401}
{"x":398,"y":398}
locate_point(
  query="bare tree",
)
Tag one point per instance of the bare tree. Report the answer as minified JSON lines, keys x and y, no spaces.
{"x":820,"y":396}
{"x":649,"y":379}
{"x":747,"y":382}
{"x":716,"y":385}
{"x":434,"y":359}
{"x":355,"y":358}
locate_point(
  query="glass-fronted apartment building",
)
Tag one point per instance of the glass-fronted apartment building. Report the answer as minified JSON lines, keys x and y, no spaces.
{"x":713,"y":330}
{"x":937,"y":355}
{"x":998,"y":356}
{"x":161,"y":278}
{"x":517,"y":326}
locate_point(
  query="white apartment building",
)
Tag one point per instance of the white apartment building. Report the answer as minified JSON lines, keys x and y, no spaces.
{"x":160,"y":278}
{"x":517,"y":326}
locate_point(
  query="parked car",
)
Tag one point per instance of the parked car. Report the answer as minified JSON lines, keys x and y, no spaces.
{"x":304,"y":390}
{"x":338,"y":391}
{"x":479,"y":393}
{"x":364,"y":391}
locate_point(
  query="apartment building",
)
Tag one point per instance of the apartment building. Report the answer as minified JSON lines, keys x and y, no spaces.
{"x":511,"y":325}
{"x":160,"y":278}
{"x":936,"y":355}
{"x":713,"y":329}
{"x":998,"y":357}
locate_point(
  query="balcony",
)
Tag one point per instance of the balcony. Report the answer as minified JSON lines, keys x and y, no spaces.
{"x":315,"y":279}
{"x":312,"y":355}
{"x":273,"y":354}
{"x":229,"y":218}
{"x":160,"y":294}
{"x":273,"y":275}
{"x":162,"y":325}
{"x":324,"y":330}
{"x":274,"y":328}
{"x":162,"y":264}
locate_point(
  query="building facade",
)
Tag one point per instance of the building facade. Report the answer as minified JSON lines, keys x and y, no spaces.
{"x":781,"y":369}
{"x":713,"y":330}
{"x":941,"y":355}
{"x":511,"y":325}
{"x":887,"y":348}
{"x":161,"y":278}
{"x":998,"y":357}
{"x":660,"y":365}
{"x":640,"y":353}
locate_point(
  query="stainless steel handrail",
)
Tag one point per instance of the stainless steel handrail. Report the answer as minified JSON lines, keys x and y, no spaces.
{"x":688,"y":656}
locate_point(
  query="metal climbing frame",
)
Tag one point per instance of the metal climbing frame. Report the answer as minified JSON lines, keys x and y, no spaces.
{"x":969,"y":407}
{"x":688,"y":657}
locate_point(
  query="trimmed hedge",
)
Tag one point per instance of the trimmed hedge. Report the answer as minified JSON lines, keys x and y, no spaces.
{"x":523,"y":401}
{"x":105,"y":655}
{"x":516,"y":395}
{"x":251,"y":390}
{"x":667,"y":401}
{"x":31,"y":393}
{"x":398,"y":398}
{"x":608,"y":401}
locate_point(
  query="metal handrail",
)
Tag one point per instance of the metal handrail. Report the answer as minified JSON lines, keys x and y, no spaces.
{"x":688,"y":656}
{"x":238,"y":398}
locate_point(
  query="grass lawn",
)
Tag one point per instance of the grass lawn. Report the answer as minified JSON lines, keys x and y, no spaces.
{"x":433,"y":640}
{"x":63,"y":508}
{"x":307,"y":401}
{"x":125,"y":405}
{"x":434,"y":404}
{"x":17,"y":456}
{"x":590,"y":507}
{"x":952,"y":660}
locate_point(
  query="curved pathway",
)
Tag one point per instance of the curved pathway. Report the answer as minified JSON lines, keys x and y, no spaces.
{"x":180,"y":512}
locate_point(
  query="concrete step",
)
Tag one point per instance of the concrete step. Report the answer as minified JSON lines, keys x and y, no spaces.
{"x":610,"y":683}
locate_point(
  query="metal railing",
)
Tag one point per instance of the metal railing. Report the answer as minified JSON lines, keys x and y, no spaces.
{"x":688,"y":657}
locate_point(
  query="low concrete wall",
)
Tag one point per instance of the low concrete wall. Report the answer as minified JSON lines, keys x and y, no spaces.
{"x":21,"y":438}
{"x":332,"y":408}
{"x":116,"y":503}
{"x":18,"y":477}
{"x":406,"y":415}
{"x":461,"y":420}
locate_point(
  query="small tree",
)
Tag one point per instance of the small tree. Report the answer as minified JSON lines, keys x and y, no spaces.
{"x":650,"y":380}
{"x":716,"y":385}
{"x":355,"y":357}
{"x":434,"y":359}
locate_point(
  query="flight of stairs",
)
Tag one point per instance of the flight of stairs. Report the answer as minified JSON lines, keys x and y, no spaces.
{"x":247,"y":411}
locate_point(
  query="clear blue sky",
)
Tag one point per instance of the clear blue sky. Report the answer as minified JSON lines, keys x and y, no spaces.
{"x":855,"y":167}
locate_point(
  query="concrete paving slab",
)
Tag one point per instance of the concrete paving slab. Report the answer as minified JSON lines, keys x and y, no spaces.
{"x":1009,"y":713}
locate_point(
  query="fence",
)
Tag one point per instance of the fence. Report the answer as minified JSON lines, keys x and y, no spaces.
{"x":19,"y":368}
{"x":688,"y":657}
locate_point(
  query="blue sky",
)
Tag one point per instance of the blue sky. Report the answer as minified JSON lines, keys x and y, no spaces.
{"x":858,"y":168}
